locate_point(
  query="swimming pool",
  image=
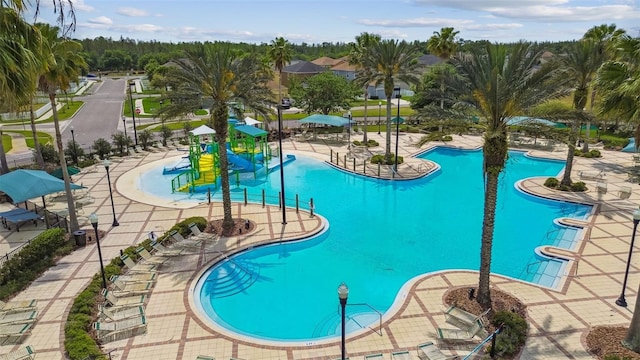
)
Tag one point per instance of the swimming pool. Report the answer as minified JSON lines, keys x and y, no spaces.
{"x":382,"y":234}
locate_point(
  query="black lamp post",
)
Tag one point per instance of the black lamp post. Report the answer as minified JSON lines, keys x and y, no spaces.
{"x":93,"y":218}
{"x":636,"y":219}
{"x":284,"y":210}
{"x":343,"y":294}
{"x":75,"y":150}
{"x":349,"y":132}
{"x":395,"y":166}
{"x":379,"y":108}
{"x":106,"y":164}
{"x":133,"y":112}
{"x":124,"y":126}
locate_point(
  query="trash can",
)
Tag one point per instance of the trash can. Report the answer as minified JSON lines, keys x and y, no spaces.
{"x":81,"y":237}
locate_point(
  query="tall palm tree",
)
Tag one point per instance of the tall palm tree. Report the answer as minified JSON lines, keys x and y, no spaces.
{"x":63,"y":66}
{"x":619,"y":83}
{"x":443,"y":44}
{"x":280,"y":53}
{"x":580,"y":63}
{"x":233,"y":81}
{"x":501,"y":84}
{"x":385,"y":63}
{"x":604,"y":37}
{"x":358,"y":51}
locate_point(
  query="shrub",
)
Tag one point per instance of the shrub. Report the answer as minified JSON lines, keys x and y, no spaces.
{"x":578,"y":187}
{"x":120,"y":141}
{"x":595,"y":153}
{"x":447,"y":138}
{"x":74,"y":151}
{"x":146,"y":138}
{"x":551,"y":183}
{"x":514,"y":332}
{"x":379,"y":159}
{"x":49,"y":154}
{"x":102,"y":148}
{"x":372,"y":143}
{"x":165,"y":134}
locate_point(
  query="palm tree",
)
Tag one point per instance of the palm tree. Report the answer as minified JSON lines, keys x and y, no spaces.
{"x":232,"y":81}
{"x":619,"y":83}
{"x":581,"y":63}
{"x":443,"y":45}
{"x":358,"y":51}
{"x":604,"y":37}
{"x":385,"y":63}
{"x":280,"y":53}
{"x":500,"y":84}
{"x":64,"y":65}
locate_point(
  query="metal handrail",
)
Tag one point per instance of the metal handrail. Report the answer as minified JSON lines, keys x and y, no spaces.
{"x":377,"y":312}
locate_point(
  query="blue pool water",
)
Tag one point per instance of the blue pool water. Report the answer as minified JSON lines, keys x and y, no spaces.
{"x":383,"y":233}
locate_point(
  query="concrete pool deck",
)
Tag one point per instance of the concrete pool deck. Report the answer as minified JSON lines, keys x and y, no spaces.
{"x":559,"y":319}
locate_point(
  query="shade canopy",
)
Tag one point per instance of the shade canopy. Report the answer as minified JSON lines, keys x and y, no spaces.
{"x":22,"y":185}
{"x":396,"y":119}
{"x":321,"y":119}
{"x":525,"y":120}
{"x":72,"y":170}
{"x":251,"y":131}
{"x":251,"y":121}
{"x":202,"y":130}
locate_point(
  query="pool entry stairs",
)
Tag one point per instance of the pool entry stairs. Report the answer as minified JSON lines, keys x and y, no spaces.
{"x":358,"y":316}
{"x":232,"y":277}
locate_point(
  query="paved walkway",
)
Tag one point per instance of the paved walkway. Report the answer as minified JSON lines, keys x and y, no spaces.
{"x":559,"y":319}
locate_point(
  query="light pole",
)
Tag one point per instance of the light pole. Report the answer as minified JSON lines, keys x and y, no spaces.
{"x":395,"y":167}
{"x":379,"y":108}
{"x":126,"y":139}
{"x":636,"y":219}
{"x":93,"y":218}
{"x":106,"y":164}
{"x":73,"y":140}
{"x":133,"y":110}
{"x":349,"y":131}
{"x":343,"y":294}
{"x":284,"y":212}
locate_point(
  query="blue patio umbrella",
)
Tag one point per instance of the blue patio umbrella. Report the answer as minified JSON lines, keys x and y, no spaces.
{"x":396,"y":119}
{"x":22,"y":185}
{"x":321,"y":119}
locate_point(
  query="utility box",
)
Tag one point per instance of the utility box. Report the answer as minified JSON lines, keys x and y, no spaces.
{"x":80,"y":237}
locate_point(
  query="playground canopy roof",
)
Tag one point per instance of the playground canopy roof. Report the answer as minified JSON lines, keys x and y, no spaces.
{"x":202,"y":130}
{"x":251,"y":121}
{"x":250,"y":130}
{"x":325,"y":120}
{"x":22,"y":185}
{"x":524,"y":120}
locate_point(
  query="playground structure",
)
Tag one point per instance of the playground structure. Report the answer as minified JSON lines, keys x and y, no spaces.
{"x":247,"y":151}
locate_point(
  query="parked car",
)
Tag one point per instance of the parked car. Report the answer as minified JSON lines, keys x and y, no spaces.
{"x":286,"y":103}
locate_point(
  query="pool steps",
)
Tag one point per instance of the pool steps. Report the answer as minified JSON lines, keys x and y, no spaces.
{"x":231,"y":278}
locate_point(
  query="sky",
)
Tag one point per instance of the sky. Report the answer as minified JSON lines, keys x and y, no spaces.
{"x":314,"y":22}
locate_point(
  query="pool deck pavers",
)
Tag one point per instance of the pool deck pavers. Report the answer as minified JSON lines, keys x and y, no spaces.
{"x":559,"y":319}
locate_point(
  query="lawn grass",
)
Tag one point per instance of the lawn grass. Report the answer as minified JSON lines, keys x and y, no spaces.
{"x":66,"y":111}
{"x":6,"y":143}
{"x":127,"y":108}
{"x":43,"y":137}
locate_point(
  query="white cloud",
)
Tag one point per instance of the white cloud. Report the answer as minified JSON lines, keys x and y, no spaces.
{"x":417,"y":22}
{"x":101,"y":20}
{"x":81,"y":6}
{"x":129,"y":11}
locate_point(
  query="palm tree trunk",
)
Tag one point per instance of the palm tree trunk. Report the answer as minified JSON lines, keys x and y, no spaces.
{"x":488,"y":222}
{"x":387,"y":148}
{"x":364,"y":138}
{"x":36,"y":144}
{"x":585,"y":146}
{"x":73,"y":218}
{"x":632,"y":341}
{"x":4,"y":167}
{"x":566,"y":178}
{"x":220,"y":117}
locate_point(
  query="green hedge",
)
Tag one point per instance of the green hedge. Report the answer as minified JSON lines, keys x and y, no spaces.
{"x":32,"y":260}
{"x":78,"y":342}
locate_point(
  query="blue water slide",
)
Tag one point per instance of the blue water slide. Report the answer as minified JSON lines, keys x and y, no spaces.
{"x":238,"y":162}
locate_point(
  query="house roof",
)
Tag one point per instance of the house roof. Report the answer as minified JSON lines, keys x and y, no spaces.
{"x":344,"y":66}
{"x":325,"y":61}
{"x":304,"y":67}
{"x":429,"y":60}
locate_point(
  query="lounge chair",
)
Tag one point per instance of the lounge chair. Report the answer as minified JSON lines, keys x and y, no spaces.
{"x":401,"y":355}
{"x":429,"y":351}
{"x":180,"y":241}
{"x":460,"y":335}
{"x":18,"y":317}
{"x":204,"y":357}
{"x":118,"y":302}
{"x":112,"y":331}
{"x":162,"y":250}
{"x":601,"y":187}
{"x":591,"y":175}
{"x":624,"y":192}
{"x":197,"y":234}
{"x":134,"y":278}
{"x":374,"y":357}
{"x":150,"y":259}
{"x":9,"y":331}
{"x":135,"y":267}
{"x":461,"y":318}
{"x":18,"y":305}
{"x":122,"y":313}
{"x":131,"y":288}
{"x":25,"y":353}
